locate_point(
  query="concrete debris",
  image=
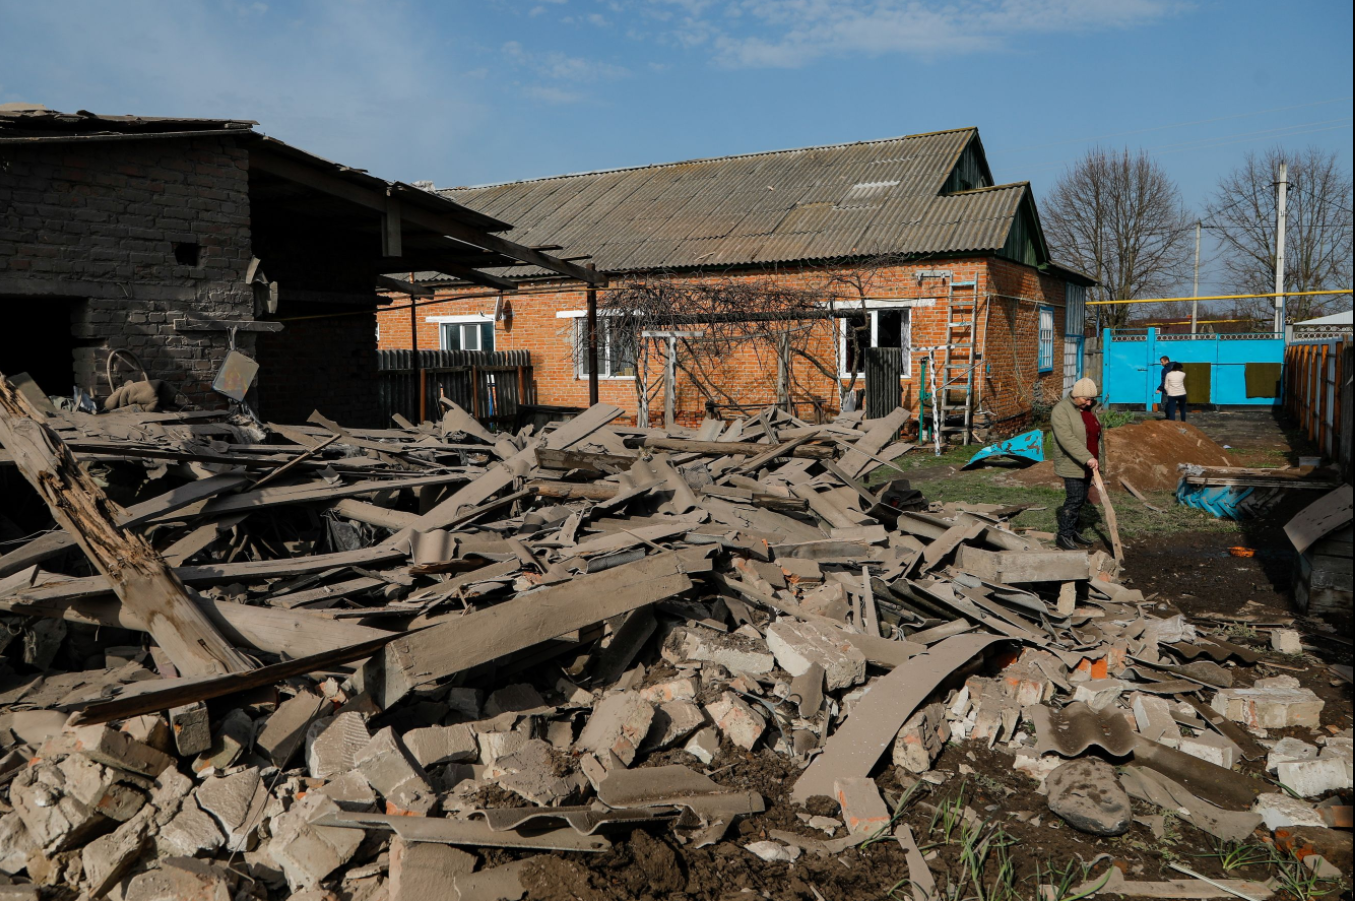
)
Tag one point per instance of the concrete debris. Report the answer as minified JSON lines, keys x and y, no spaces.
{"x":921,"y":739}
{"x":1275,"y":703}
{"x":525,"y":640}
{"x":798,"y":646}
{"x":736,"y":720}
{"x":1087,"y":794}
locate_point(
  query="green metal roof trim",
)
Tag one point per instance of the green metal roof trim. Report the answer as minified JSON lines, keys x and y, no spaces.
{"x":839,"y":202}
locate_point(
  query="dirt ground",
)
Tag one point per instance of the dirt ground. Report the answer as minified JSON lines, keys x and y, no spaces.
{"x":1181,"y":562}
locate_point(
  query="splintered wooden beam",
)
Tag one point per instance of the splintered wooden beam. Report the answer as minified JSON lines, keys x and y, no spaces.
{"x":138,"y":574}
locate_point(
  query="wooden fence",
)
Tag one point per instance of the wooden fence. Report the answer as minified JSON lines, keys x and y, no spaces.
{"x":1317,"y":394}
{"x":491,"y":385}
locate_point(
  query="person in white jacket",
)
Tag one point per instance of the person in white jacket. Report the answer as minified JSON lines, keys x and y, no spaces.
{"x":1175,"y":391}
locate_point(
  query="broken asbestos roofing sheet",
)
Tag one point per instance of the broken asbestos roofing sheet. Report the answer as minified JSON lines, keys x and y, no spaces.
{"x":433,"y":640}
{"x":1077,"y":727}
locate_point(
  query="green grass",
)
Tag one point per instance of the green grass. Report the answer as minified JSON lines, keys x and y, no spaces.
{"x":981,"y":487}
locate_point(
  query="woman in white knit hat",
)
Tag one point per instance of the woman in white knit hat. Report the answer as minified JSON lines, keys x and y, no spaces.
{"x":1077,"y":448}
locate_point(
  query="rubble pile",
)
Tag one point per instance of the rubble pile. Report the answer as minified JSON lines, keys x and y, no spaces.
{"x":466,"y":650}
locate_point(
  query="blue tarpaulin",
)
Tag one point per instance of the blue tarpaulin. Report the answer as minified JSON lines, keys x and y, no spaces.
{"x":1025,"y":448}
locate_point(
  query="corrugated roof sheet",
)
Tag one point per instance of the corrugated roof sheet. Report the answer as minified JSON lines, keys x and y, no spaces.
{"x":847,"y":200}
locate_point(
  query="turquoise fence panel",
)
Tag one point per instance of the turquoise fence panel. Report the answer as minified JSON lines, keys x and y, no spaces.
{"x":1132,"y":371}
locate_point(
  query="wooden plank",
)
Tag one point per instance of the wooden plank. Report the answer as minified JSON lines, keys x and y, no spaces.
{"x":1111,"y":519}
{"x":529,"y":619}
{"x":728,"y":448}
{"x":312,"y":492}
{"x":371,"y":514}
{"x":141,"y":578}
{"x":880,"y":433}
{"x":266,"y":629}
{"x":44,"y":547}
{"x":164,"y":694}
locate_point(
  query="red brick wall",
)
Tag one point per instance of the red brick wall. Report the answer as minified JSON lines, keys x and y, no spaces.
{"x":1009,"y":384}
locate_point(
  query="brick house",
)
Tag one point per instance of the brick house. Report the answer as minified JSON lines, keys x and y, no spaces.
{"x":900,"y":239}
{"x":158,"y":236}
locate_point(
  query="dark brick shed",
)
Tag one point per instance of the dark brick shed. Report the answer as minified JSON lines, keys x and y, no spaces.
{"x":151,"y":235}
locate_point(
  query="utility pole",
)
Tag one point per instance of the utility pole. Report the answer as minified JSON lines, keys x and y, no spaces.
{"x":1283,"y":186}
{"x":1195,"y":292}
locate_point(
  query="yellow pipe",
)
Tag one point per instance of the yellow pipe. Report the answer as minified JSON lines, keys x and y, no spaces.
{"x":1097,"y":303}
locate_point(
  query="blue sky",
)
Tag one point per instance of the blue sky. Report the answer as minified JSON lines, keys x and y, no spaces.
{"x":496,"y":90}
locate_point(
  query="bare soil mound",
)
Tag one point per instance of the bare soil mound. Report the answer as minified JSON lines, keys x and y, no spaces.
{"x":1145,"y":453}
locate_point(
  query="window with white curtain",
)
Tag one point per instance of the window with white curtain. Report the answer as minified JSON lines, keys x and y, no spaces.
{"x":1046,"y":349}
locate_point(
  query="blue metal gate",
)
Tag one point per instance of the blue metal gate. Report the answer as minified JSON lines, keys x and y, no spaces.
{"x":1241,"y":369}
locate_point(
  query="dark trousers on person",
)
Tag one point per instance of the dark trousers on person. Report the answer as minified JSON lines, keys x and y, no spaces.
{"x":1076,"y":491}
{"x":1175,"y":403}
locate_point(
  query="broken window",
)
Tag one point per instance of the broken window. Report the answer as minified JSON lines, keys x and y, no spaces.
{"x":616,"y":349}
{"x":891,"y":327}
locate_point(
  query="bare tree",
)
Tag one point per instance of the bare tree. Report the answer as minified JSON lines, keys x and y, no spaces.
{"x":1119,"y":217}
{"x":1318,"y":230}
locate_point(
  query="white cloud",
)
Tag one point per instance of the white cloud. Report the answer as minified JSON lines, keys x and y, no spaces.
{"x":790,"y":33}
{"x":558,"y":66}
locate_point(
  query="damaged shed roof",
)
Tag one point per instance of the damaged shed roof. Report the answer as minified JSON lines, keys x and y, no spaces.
{"x":919,"y":194}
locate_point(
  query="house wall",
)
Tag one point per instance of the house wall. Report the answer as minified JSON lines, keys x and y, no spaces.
{"x":1011,"y":387}
{"x":94,"y":224}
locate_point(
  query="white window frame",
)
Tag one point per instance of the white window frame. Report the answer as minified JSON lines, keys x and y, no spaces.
{"x":1044,"y":338}
{"x":604,"y":346}
{"x":872,"y":311}
{"x":476,"y":319}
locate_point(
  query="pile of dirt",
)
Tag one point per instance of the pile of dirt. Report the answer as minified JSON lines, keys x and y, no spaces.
{"x":1145,"y":454}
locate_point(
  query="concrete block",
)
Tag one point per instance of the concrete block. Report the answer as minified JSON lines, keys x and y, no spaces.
{"x":921,"y":739}
{"x":1212,"y":747}
{"x":62,"y":805}
{"x":233,"y":736}
{"x":190,"y":833}
{"x":150,"y":730}
{"x":236,"y":802}
{"x":15,"y":844}
{"x":182,"y":879}
{"x":1153,"y":717}
{"x":673,"y":721}
{"x":390,"y":770}
{"x":106,"y":859}
{"x":442,"y":744}
{"x":426,"y":871}
{"x":285,"y":730}
{"x":351,"y":791}
{"x":674,"y":690}
{"x":1286,"y":641}
{"x":1310,"y":778}
{"x":531,"y":774}
{"x":519,"y":698}
{"x":736,"y":720}
{"x":704,"y":745}
{"x":110,"y":747}
{"x":619,"y":724}
{"x":308,"y":853}
{"x":1287,"y":749}
{"x":465,"y":701}
{"x":1098,"y":694}
{"x":863,"y":810}
{"x":1279,"y":811}
{"x":332,"y":744}
{"x":192,"y":728}
{"x":1271,"y":706}
{"x":798,"y":645}
{"x":735,"y":653}
{"x":806,"y":690}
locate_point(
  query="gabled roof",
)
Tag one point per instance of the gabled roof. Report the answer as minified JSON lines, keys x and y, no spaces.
{"x":927,"y":194}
